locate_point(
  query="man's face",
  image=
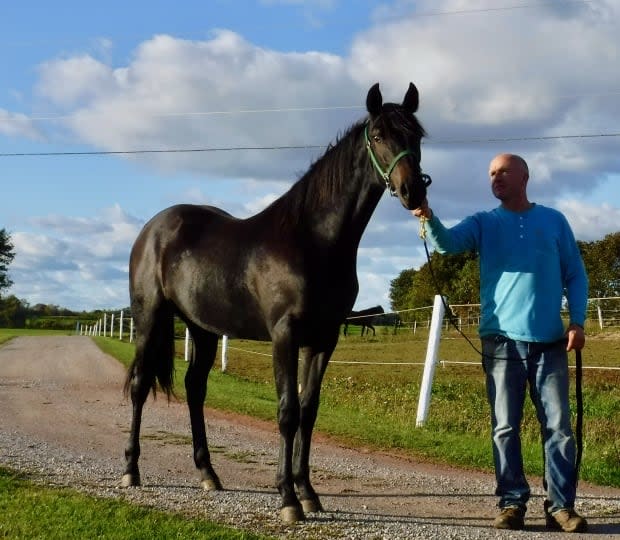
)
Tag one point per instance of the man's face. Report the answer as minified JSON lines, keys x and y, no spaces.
{"x":508,"y":177}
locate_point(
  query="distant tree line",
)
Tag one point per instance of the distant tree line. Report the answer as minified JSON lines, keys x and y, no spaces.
{"x":16,"y":313}
{"x":458,"y":276}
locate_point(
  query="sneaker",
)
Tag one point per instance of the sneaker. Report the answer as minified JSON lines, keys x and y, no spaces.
{"x":510,"y":517}
{"x":567,"y":520}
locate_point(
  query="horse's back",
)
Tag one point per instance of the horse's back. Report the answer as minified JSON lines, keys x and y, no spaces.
{"x":163,"y":239}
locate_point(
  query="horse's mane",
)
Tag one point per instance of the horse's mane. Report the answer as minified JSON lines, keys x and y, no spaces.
{"x":324,"y":180}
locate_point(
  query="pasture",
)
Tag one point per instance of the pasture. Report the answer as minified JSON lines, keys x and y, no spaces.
{"x":371,"y":389}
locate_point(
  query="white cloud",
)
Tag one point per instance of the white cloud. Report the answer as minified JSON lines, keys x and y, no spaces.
{"x":71,"y":81}
{"x":590,"y":222}
{"x":75,"y":258}
{"x":18,"y":125}
{"x":191,"y":94}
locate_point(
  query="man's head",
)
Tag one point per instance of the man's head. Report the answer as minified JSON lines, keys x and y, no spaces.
{"x":509,"y":175}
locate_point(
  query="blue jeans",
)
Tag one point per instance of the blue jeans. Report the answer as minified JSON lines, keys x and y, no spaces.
{"x":509,"y":367}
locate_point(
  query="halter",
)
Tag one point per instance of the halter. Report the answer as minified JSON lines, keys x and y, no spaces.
{"x":386,"y":174}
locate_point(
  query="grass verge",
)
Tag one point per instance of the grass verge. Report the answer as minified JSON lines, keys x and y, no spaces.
{"x":30,"y":511}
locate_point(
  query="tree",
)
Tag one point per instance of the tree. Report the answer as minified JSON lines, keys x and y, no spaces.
{"x":602,"y":262}
{"x":6,"y":257}
{"x":455,"y":276}
{"x":13,"y":312}
{"x":401,"y":288}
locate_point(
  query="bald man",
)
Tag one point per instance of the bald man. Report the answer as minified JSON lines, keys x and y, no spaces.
{"x":528,"y":260}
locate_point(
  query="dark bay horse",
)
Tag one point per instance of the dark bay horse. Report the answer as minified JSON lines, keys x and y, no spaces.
{"x":364,"y":318}
{"x":286,"y":274}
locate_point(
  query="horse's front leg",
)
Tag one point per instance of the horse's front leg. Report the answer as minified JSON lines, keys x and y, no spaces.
{"x":285,"y":353}
{"x":205,"y":348}
{"x":313,"y":369}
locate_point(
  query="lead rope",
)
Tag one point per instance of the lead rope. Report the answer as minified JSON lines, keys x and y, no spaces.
{"x":422,"y":232}
{"x":578,"y":362}
{"x":579,"y":419}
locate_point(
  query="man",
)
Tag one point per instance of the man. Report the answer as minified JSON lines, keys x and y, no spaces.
{"x":528,"y":260}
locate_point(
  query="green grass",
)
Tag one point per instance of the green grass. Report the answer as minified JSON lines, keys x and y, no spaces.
{"x":30,"y":511}
{"x":9,"y":333}
{"x":376,"y":405}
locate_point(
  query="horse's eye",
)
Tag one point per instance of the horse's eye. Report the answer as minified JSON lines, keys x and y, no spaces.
{"x":377,"y":139}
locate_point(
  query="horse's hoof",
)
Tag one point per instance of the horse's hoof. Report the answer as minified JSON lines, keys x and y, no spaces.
{"x":311,"y":505}
{"x":130,"y":480}
{"x":209,"y":484}
{"x":292,"y":514}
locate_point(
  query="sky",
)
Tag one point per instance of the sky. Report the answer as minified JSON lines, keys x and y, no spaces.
{"x":85,"y":86}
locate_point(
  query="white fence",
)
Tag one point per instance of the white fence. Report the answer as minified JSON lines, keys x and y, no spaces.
{"x":599,"y":311}
{"x":101,"y":327}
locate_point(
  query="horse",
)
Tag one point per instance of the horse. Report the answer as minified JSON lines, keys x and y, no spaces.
{"x":286,"y":274}
{"x":364,"y":318}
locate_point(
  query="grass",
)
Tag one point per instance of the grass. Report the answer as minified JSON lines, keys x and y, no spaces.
{"x":9,"y":333}
{"x":375,"y":405}
{"x":30,"y":511}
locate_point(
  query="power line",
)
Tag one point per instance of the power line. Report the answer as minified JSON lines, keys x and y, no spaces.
{"x":500,"y":8}
{"x":52,"y":116}
{"x":161,"y":151}
{"x":294,"y":147}
{"x":521,"y":139}
{"x":214,"y":113}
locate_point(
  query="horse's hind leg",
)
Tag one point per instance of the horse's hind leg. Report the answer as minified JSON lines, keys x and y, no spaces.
{"x":205,"y":348}
{"x":140,"y":386}
{"x":153,"y":358}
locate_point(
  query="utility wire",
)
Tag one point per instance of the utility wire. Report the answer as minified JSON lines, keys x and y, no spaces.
{"x":294,"y":147}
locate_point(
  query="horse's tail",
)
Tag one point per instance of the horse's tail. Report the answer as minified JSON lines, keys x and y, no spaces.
{"x":154,"y":359}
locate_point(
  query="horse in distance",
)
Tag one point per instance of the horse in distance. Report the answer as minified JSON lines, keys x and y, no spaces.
{"x":286,"y":274}
{"x":364,"y":318}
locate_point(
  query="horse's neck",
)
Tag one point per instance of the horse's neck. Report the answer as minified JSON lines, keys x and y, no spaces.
{"x":345,"y":220}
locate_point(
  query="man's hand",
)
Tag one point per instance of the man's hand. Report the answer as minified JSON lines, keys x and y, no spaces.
{"x":423,"y":211}
{"x":576,"y":338}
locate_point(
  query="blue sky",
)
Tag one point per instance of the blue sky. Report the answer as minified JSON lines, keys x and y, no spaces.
{"x":539,"y":78}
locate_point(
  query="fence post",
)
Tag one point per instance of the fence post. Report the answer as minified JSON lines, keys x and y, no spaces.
{"x":131,"y":330}
{"x":120,"y":327}
{"x":434,"y":336}
{"x":224,"y":353}
{"x":187,"y":337}
{"x":600,"y":315}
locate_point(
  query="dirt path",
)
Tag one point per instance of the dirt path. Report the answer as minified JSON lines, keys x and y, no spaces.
{"x":63,"y":418}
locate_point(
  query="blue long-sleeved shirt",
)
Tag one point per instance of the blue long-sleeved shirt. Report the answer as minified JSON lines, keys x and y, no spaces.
{"x":528,"y":261}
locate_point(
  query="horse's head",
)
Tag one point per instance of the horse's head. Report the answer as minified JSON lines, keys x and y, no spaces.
{"x":393,"y":138}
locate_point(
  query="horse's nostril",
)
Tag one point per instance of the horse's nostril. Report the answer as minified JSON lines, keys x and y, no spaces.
{"x":404,"y":192}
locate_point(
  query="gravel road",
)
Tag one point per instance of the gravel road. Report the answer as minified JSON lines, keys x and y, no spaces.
{"x":64,"y":420}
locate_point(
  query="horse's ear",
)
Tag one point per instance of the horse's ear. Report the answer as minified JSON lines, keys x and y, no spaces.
{"x":412,"y":99}
{"x":374,"y":100}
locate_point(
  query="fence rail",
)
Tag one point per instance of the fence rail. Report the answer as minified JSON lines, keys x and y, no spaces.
{"x":603,"y":313}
